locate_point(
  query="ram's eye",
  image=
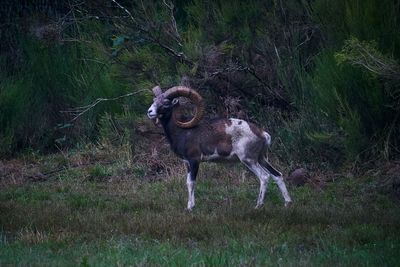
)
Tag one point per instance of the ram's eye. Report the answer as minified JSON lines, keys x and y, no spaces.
{"x":166,"y":102}
{"x":175,"y":101}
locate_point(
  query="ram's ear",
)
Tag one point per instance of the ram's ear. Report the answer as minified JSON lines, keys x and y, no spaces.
{"x":175,"y":102}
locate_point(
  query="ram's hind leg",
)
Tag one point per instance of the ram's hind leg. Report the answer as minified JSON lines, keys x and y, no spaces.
{"x":282,"y":187}
{"x":263,"y":176}
{"x":277,"y":176}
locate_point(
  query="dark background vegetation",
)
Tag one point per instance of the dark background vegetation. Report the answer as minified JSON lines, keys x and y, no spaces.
{"x":322,"y":76}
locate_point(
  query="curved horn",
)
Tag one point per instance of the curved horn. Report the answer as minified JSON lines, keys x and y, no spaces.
{"x":182,"y":91}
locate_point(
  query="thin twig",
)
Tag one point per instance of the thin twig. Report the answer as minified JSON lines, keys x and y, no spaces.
{"x":150,"y":33}
{"x":174,"y":32}
{"x":79,"y":111}
{"x":125,"y":10}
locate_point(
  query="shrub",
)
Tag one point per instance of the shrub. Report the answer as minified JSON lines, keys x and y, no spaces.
{"x":53,"y":78}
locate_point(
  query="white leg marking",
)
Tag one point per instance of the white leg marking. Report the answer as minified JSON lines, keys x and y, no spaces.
{"x":263,"y":188}
{"x":262,"y":176}
{"x":190,"y":186}
{"x":281,"y":184}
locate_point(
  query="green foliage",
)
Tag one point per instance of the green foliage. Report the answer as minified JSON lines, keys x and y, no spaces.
{"x":321,"y":76}
{"x":366,"y":55}
{"x":98,"y":172}
{"x":349,"y":99}
{"x":52,"y":79}
{"x":365,"y":19}
{"x":342,"y":111}
{"x":345,"y":86}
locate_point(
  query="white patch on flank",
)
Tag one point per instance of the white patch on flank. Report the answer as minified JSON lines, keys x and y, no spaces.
{"x":241,"y":135}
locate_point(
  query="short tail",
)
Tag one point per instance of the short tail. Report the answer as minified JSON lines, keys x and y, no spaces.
{"x":267,"y":138}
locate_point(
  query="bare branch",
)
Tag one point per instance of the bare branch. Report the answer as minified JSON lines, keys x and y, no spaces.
{"x":151,"y":36}
{"x":125,"y":10}
{"x":79,"y":111}
{"x":175,"y":33}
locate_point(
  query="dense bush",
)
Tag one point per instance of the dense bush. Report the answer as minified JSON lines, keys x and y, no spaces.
{"x":320,"y":75}
{"x":352,"y":82}
{"x":54,"y":77}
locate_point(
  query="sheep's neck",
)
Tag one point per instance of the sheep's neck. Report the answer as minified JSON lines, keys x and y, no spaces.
{"x":171,"y":131}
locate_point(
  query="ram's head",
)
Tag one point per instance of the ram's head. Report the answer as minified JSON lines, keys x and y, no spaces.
{"x":165,"y":104}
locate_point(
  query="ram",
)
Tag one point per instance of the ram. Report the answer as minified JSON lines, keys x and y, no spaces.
{"x":200,"y":140}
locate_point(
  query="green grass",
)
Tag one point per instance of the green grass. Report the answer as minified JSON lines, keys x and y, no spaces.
{"x":75,"y":221}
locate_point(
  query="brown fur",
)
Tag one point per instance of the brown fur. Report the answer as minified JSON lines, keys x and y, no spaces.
{"x":203,"y":139}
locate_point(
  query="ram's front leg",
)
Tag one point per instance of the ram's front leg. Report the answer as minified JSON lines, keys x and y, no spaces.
{"x":192,"y":167}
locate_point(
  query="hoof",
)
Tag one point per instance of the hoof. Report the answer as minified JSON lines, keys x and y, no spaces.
{"x":189,"y":209}
{"x":258,"y":206}
{"x":288,"y":204}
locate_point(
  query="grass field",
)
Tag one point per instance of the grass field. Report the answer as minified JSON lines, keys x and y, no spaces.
{"x":87,"y":217}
